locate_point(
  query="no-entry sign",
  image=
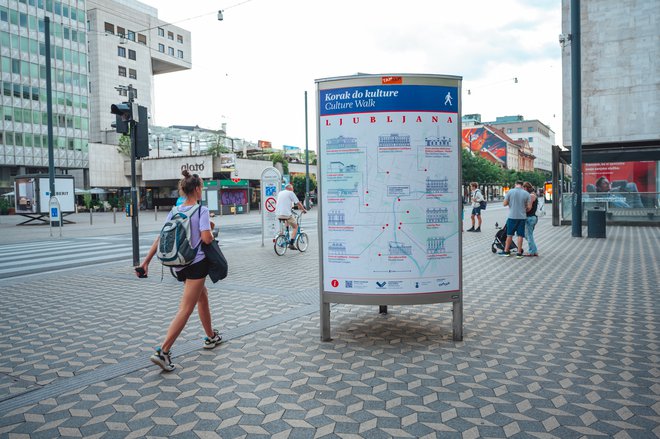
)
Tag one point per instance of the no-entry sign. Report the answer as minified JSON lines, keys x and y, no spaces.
{"x":270,"y":204}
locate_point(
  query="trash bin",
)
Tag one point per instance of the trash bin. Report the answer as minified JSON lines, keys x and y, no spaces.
{"x":596,"y":222}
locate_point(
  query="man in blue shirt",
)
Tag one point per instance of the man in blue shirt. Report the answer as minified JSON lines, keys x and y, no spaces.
{"x":519,"y":203}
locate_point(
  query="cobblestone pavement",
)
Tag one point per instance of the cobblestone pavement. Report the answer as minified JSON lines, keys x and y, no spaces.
{"x":560,"y":346}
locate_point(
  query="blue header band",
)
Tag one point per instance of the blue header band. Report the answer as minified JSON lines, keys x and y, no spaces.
{"x":388,"y":98}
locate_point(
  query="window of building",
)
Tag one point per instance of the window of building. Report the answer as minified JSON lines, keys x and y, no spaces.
{"x":508,"y":130}
{"x":161,"y":48}
{"x":142,"y":39}
{"x":170,"y":51}
{"x":132,"y":73}
{"x":170,"y":36}
{"x":122,"y":92}
{"x":131,"y":54}
{"x":179,"y":54}
{"x":530,"y":129}
{"x":520,"y":130}
{"x":530,"y":139}
{"x":121,"y":31}
{"x":179,"y":39}
{"x":122,"y":71}
{"x":131,"y":35}
{"x":161,"y":32}
{"x":109,"y":28}
{"x":121,"y":51}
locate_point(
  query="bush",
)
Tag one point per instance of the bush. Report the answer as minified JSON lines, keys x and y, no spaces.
{"x":4,"y":206}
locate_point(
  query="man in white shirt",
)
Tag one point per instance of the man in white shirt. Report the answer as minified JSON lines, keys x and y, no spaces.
{"x":285,"y":201}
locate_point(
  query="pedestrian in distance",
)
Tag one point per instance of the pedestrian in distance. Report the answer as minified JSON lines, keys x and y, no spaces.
{"x":532,"y":219}
{"x":193,"y":276}
{"x":476,"y":198}
{"x":518,"y":201}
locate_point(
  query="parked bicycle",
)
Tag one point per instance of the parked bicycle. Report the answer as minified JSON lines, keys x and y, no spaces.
{"x":283,"y":237}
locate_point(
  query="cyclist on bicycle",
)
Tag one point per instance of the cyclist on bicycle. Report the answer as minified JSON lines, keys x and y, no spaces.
{"x":285,"y":201}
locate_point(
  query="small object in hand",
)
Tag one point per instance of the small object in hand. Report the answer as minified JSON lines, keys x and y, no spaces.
{"x":140,"y":272}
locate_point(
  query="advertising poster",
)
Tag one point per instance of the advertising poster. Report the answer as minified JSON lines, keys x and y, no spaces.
{"x":628,"y":184}
{"x":64,"y":191}
{"x":389,"y":153}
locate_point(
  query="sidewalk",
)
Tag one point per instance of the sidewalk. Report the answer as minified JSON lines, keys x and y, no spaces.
{"x":102,"y":223}
{"x":564,"y":345}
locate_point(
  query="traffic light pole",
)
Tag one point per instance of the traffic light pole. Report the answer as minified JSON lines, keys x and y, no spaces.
{"x":135,"y":226}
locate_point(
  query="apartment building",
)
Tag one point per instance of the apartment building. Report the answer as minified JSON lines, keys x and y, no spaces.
{"x":128,"y":45}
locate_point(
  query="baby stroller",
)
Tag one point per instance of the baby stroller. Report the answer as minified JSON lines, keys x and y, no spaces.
{"x":500,"y":241}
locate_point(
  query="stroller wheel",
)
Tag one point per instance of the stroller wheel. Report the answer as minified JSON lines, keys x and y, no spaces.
{"x":493,"y":248}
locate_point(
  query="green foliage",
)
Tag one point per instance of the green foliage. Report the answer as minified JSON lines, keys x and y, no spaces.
{"x":4,"y":206}
{"x":124,"y":147}
{"x":218,"y":147}
{"x":299,"y":185}
{"x":479,"y":169}
{"x":87,"y":200}
{"x":278,"y":157}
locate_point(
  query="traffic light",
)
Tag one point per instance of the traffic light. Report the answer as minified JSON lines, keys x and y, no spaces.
{"x":124,"y":114}
{"x":142,"y":134}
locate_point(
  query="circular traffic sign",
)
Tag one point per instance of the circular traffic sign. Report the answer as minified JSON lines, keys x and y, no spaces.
{"x":270,"y":204}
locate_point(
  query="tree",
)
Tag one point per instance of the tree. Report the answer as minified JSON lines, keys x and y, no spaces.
{"x":124,"y":146}
{"x":278,"y":157}
{"x":299,"y":185}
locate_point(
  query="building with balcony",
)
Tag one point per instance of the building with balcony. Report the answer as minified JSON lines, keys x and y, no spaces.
{"x":128,"y":45}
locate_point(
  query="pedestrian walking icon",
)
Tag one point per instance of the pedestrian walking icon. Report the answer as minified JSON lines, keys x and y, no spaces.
{"x":448,"y":98}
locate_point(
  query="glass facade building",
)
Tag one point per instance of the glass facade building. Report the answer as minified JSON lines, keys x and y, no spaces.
{"x":23,"y":128}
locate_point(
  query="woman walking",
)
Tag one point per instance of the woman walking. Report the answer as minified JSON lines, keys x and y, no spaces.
{"x":531,"y":221}
{"x":192,"y":276}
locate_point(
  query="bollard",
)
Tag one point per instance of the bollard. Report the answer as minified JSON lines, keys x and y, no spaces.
{"x":114,"y":215}
{"x":155,"y":213}
{"x":90,"y":217}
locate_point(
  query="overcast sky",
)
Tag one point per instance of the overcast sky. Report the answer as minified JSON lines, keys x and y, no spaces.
{"x":251,"y":69}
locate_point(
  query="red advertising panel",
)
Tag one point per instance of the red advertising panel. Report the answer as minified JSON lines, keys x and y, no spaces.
{"x":477,"y":139}
{"x":622,"y":176}
{"x":627,"y":184}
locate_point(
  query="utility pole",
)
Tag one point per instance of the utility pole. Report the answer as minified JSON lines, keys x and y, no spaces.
{"x":135,"y":225}
{"x":49,"y":112}
{"x":576,"y":124}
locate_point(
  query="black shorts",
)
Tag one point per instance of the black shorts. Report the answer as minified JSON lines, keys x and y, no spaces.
{"x":198,"y":270}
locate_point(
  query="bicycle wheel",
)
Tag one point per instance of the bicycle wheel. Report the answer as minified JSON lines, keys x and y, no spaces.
{"x":302,"y":242}
{"x":280,"y":245}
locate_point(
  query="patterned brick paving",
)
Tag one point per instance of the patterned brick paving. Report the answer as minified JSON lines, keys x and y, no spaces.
{"x":561,"y":346}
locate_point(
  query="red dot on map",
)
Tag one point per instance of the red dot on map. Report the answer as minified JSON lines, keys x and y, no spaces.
{"x":387,"y":225}
{"x":379,"y":254}
{"x":399,"y":227}
{"x":388,"y":172}
{"x":398,"y":199}
{"x":407,"y":211}
{"x":367,"y":204}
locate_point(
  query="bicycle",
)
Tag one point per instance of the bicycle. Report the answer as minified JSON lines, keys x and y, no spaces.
{"x":282,"y":239}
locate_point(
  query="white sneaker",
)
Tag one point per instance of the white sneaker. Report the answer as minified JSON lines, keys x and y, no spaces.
{"x":211,"y":342}
{"x":163,"y":359}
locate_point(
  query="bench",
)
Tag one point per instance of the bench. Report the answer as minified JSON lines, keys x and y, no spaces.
{"x":650,"y":212}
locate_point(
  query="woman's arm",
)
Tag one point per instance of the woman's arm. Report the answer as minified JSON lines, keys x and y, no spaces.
{"x":149,"y":257}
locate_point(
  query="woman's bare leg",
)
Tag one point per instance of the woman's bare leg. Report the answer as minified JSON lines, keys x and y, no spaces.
{"x":204,"y":312}
{"x":192,"y":289}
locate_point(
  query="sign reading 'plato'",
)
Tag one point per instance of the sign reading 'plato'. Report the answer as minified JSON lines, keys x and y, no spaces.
{"x":170,"y":168}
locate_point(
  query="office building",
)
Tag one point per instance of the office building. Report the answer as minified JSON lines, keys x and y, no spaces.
{"x":539,"y":136}
{"x":23,"y":128}
{"x":128,"y":45}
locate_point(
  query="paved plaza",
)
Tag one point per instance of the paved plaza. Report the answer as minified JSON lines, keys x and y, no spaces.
{"x":565,"y":345}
